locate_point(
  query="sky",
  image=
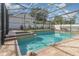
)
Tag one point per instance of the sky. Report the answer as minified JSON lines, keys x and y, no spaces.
{"x":73,"y":6}
{"x":68,"y":7}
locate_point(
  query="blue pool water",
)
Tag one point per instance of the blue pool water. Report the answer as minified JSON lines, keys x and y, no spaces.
{"x":40,"y":40}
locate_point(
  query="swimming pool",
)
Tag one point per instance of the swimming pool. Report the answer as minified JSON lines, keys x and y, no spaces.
{"x":40,"y":41}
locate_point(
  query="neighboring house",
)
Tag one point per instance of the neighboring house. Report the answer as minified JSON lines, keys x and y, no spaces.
{"x":18,"y":20}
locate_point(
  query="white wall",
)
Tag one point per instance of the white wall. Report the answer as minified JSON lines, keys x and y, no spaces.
{"x":16,"y":21}
{"x":73,"y":27}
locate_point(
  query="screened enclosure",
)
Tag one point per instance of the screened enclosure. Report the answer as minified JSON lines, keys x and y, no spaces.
{"x":43,"y":16}
{"x":62,"y":17}
{"x":37,"y":25}
{"x":0,"y":24}
{"x":3,"y":23}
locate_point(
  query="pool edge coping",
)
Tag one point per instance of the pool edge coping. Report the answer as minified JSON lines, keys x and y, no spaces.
{"x":18,"y":49}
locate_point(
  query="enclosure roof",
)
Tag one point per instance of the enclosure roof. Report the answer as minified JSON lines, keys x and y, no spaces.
{"x":54,"y":9}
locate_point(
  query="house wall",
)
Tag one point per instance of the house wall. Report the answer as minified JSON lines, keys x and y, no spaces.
{"x":16,"y":21}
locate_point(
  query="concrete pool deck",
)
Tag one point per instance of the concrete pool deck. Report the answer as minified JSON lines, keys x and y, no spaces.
{"x":64,"y":48}
{"x":8,"y":49}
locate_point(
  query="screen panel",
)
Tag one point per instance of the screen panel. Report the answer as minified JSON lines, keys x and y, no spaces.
{"x":3,"y":22}
{"x":0,"y":24}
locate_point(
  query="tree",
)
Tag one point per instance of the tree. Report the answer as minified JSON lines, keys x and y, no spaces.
{"x":58,"y":20}
{"x":39,"y":14}
{"x":71,"y":20}
{"x":61,"y":20}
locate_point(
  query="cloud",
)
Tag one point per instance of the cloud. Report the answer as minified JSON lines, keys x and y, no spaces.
{"x":10,"y":6}
{"x":61,"y":5}
{"x":7,"y":4}
{"x":66,"y":11}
